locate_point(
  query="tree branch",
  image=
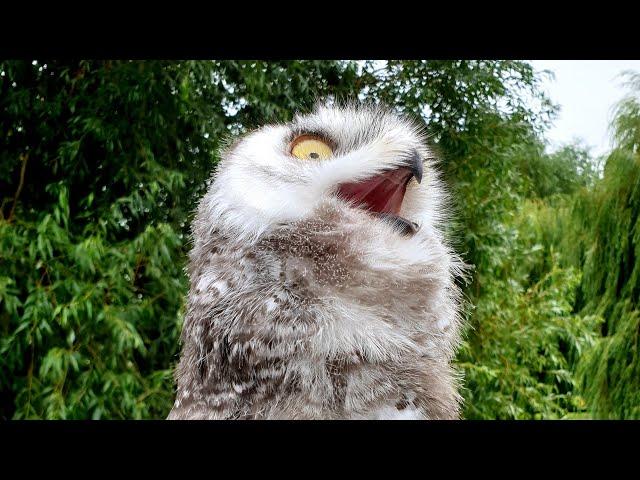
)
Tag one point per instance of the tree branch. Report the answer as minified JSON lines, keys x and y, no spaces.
{"x":24,"y":159}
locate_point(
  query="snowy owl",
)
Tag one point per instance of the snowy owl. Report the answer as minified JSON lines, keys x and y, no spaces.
{"x":321,"y":282}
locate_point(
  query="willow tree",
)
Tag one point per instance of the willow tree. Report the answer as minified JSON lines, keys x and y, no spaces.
{"x":606,"y":242}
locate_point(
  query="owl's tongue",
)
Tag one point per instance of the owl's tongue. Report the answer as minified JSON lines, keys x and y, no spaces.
{"x":381,"y":194}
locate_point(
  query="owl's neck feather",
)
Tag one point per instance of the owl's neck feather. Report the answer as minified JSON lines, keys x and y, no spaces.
{"x":304,"y":307}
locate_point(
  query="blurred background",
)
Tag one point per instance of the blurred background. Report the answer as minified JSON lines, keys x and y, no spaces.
{"x":102,"y":163}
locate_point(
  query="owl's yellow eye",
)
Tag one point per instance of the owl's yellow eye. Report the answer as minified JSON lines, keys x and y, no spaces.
{"x":308,"y":147}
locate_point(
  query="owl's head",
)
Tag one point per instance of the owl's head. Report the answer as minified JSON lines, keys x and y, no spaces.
{"x":363,"y":157}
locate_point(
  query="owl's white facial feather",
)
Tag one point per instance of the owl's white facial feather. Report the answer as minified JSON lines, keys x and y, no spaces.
{"x":264,"y":185}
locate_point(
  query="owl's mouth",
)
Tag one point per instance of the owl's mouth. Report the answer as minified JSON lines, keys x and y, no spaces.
{"x":383,"y":194}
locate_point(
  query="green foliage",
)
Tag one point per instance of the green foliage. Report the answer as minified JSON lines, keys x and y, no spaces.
{"x":626,"y":122}
{"x":562,"y":172}
{"x":102,"y":162}
{"x":607,"y":242}
{"x":595,"y":231}
{"x":520,"y":357}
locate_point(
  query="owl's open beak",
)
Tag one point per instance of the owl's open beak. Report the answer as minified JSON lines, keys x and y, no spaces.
{"x":383,"y":194}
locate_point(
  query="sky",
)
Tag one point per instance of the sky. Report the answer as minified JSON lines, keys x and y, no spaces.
{"x":587,"y":91}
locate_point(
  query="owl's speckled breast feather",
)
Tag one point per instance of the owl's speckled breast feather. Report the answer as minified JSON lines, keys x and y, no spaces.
{"x":300,"y":325}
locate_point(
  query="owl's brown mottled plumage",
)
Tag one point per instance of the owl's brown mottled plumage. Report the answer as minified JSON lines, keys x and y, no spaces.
{"x":305,"y":306}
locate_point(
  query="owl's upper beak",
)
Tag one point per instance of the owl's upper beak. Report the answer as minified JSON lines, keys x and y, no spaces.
{"x":415,"y":164}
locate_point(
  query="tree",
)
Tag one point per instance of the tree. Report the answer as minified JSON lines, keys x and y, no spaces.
{"x":606,"y":242}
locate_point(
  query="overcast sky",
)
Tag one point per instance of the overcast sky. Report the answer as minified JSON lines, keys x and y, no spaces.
{"x":586,"y":91}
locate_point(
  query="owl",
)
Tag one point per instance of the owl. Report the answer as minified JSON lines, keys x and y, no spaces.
{"x":322,"y":285}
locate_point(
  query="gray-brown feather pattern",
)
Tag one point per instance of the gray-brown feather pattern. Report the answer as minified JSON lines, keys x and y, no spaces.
{"x":261,"y":316}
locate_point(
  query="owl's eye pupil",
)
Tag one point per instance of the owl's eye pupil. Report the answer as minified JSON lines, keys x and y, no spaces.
{"x":314,"y":155}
